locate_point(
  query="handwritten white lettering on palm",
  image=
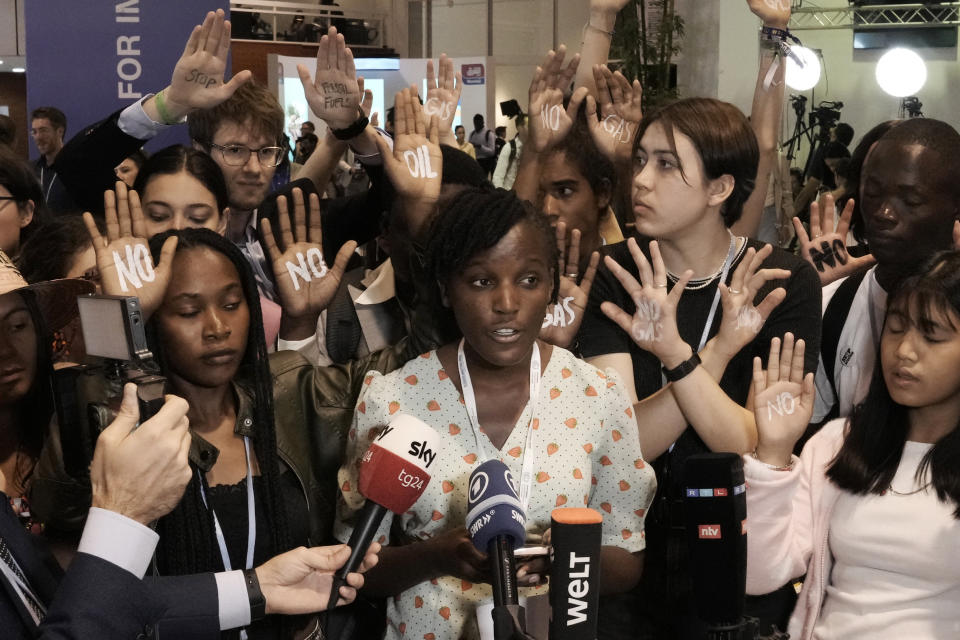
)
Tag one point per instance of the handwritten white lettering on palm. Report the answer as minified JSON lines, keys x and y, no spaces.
{"x":561,"y":316}
{"x":749,"y":318}
{"x":618,"y":128}
{"x":418,"y":162}
{"x":437,"y":107}
{"x":785,"y":404}
{"x":550,"y":116}
{"x":646,"y":322}
{"x":307,"y":268}
{"x":135,"y":268}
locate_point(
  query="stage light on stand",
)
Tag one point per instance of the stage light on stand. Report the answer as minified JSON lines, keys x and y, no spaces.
{"x":806,"y":77}
{"x":901,"y":72}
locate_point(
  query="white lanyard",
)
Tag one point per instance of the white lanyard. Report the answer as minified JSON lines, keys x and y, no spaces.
{"x":716,"y":298}
{"x":713,"y":307}
{"x":470,"y":401}
{"x":251,"y":515}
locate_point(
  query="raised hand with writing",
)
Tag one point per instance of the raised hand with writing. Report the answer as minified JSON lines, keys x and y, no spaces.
{"x":123,"y":257}
{"x":304,"y":282}
{"x":782,"y":400}
{"x":563,"y":319}
{"x":742,"y":318}
{"x":549,"y":121}
{"x":197,"y":81}
{"x":621,"y":109}
{"x":333,"y":93}
{"x":415,"y":165}
{"x":827,"y":251}
{"x":774,"y":13}
{"x":443,"y":96}
{"x":653,"y":325}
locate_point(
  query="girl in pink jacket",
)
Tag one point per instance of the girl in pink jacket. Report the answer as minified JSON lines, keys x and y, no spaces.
{"x":869,"y":511}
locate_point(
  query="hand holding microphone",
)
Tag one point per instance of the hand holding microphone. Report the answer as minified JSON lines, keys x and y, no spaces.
{"x":394,"y":472}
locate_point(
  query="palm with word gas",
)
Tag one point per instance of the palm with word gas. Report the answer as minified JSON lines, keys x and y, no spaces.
{"x":653,"y":325}
{"x":827,"y":251}
{"x":443,"y":96}
{"x":334,"y":93}
{"x":304,"y":283}
{"x":621,"y":109}
{"x":549,"y":122}
{"x":782,"y":401}
{"x":563,"y":319}
{"x":415,"y":166}
{"x":742,"y":319}
{"x":123,"y":257}
{"x":197,"y":81}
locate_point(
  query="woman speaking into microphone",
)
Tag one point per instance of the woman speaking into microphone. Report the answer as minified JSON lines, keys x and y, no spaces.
{"x":564,"y":428}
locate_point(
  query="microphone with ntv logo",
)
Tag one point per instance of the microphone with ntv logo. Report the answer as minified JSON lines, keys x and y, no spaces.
{"x":496,"y":523}
{"x":715,"y":504}
{"x":394,"y":472}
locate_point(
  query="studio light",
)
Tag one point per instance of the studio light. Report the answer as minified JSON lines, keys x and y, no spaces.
{"x":805,"y":77}
{"x":901,"y":72}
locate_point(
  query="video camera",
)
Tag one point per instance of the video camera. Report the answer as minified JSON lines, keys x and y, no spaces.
{"x":89,"y":396}
{"x":827,"y":114}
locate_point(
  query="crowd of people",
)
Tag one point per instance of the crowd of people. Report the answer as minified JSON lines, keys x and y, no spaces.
{"x":604,"y":309}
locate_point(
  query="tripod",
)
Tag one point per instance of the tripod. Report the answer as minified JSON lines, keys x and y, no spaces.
{"x":806,"y":130}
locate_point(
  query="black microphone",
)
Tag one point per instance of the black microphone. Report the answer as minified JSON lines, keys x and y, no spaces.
{"x":394,"y":472}
{"x":715,"y":504}
{"x":496,"y":523}
{"x":576,"y":536}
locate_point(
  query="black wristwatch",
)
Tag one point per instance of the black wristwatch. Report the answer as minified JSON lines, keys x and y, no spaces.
{"x":683,"y":369}
{"x":258,"y":604}
{"x":353,"y":130}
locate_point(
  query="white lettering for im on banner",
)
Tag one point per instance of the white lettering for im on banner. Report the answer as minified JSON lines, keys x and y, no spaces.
{"x":129,"y":68}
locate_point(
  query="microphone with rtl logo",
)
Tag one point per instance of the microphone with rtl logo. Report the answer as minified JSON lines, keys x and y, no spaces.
{"x":715,"y":504}
{"x":496,"y":523}
{"x":394,"y":472}
{"x":576,"y":536}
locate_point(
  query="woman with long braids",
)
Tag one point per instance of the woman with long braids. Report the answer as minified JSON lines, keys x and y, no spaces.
{"x":870,"y":511}
{"x":260,"y":451}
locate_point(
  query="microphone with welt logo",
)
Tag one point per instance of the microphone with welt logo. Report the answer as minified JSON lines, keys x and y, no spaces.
{"x":576,"y":535}
{"x":496,"y":523}
{"x":715,"y":504}
{"x":394,"y":472}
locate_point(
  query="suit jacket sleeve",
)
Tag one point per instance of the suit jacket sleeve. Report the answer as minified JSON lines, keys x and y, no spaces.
{"x":97,"y":599}
{"x":85,"y":165}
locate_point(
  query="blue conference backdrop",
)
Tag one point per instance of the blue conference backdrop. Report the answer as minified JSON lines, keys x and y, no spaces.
{"x":93,"y":57}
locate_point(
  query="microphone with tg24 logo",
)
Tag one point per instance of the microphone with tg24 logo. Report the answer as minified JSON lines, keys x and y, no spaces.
{"x":394,"y":472}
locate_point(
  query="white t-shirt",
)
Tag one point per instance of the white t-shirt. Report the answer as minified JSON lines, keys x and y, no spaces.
{"x":896,"y":571}
{"x":856,"y":349}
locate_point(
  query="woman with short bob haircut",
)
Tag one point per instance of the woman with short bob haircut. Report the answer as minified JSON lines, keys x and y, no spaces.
{"x":870,"y":509}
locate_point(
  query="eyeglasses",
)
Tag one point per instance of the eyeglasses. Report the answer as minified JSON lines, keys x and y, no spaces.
{"x":237,"y":155}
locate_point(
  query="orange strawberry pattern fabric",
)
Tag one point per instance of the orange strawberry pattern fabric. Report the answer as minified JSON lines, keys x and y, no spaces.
{"x":578,"y":461}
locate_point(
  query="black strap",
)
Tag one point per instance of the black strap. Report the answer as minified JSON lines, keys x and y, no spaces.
{"x":834,"y":318}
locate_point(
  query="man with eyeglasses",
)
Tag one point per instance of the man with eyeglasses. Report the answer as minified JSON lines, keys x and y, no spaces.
{"x":240,"y":124}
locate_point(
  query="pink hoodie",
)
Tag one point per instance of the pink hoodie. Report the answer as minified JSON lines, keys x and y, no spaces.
{"x":788,"y":524}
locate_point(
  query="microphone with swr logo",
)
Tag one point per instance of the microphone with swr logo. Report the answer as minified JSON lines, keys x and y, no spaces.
{"x":576,"y":535}
{"x":496,"y":523}
{"x":394,"y":472}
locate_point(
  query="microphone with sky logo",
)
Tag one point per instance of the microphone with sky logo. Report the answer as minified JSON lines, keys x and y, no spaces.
{"x":394,"y":472}
{"x":497,"y":525}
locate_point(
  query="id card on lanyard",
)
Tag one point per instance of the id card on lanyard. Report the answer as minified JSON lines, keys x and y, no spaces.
{"x":251,"y":520}
{"x":470,"y":402}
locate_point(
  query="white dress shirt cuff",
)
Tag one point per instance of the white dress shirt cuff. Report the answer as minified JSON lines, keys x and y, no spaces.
{"x":118,"y":540}
{"x":233,"y":599}
{"x":135,"y":122}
